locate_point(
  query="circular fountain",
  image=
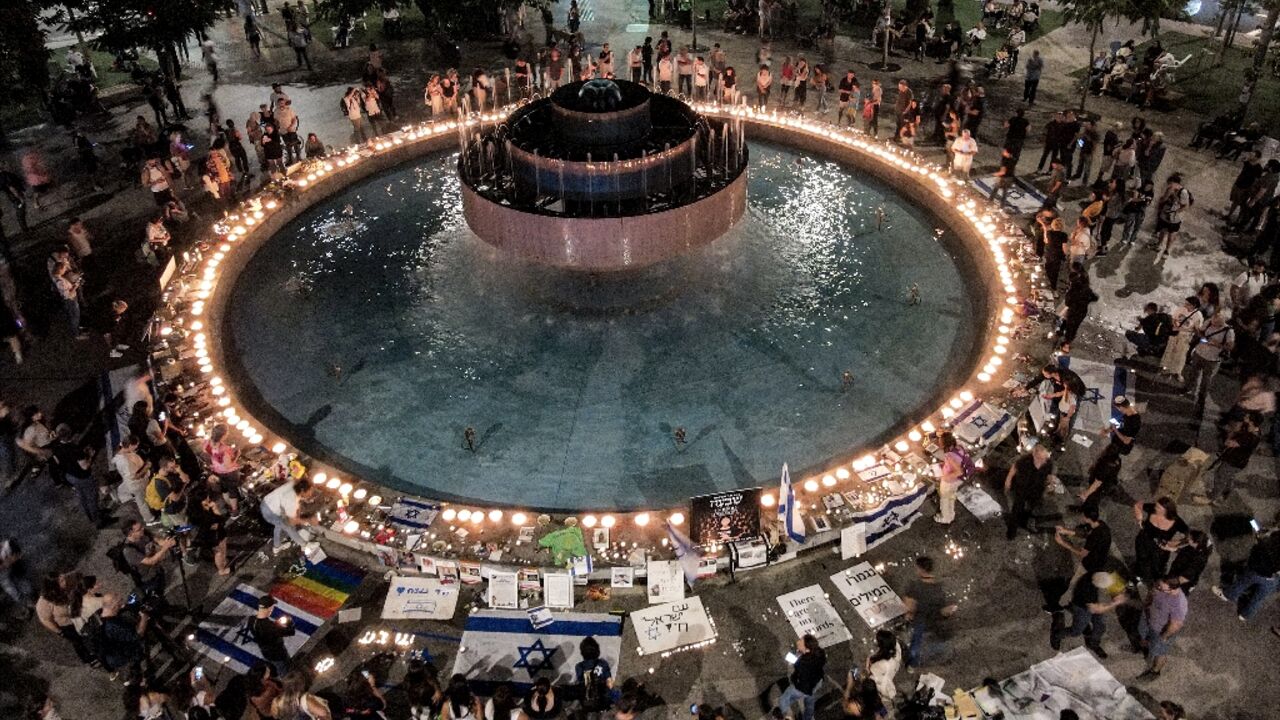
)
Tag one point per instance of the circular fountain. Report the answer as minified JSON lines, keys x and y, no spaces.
{"x":602,"y":175}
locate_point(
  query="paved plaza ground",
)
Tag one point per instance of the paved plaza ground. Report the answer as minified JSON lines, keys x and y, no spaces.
{"x":1221,"y":669}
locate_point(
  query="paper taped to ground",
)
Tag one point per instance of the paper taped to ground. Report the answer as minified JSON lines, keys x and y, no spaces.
{"x":503,"y":646}
{"x":810,"y":613}
{"x":853,"y":541}
{"x":978,"y":501}
{"x":622,"y":577}
{"x":1074,"y":681}
{"x":419,"y":598}
{"x":671,"y":626}
{"x":869,"y":594}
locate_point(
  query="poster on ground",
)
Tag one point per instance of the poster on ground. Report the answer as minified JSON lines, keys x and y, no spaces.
{"x":724,"y":516}
{"x":666,"y":581}
{"x":671,"y":626}
{"x":557,"y":590}
{"x":873,"y":599}
{"x":853,"y":541}
{"x":810,"y":613}
{"x":503,"y":592}
{"x":419,"y":598}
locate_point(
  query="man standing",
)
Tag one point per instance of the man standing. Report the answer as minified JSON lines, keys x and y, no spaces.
{"x":927,"y":604}
{"x":806,"y":677}
{"x":901,"y":104}
{"x":684,"y":72}
{"x":299,"y":40}
{"x":1052,"y":138}
{"x":848,"y":89}
{"x":635,"y":64}
{"x":1015,"y":133}
{"x":1125,"y":430}
{"x":270,"y":634}
{"x":1024,"y":487}
{"x":146,"y":557}
{"x":1260,"y":577}
{"x":1216,"y":339}
{"x":1161,"y":620}
{"x":1087,"y":611}
{"x":1238,"y":447}
{"x":1031,"y":77}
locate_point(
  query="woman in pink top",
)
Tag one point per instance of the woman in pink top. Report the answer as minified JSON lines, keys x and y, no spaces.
{"x":224,"y":461}
{"x":949,"y":479}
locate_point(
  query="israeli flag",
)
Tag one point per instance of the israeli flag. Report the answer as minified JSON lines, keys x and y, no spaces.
{"x":1103,"y":383}
{"x":502,"y":646}
{"x":788,"y":509}
{"x":225,"y":636}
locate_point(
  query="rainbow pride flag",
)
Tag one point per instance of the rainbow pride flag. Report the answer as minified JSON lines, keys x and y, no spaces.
{"x":309,"y":600}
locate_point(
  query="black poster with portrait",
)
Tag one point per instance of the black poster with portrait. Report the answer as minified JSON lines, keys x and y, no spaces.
{"x":724,"y":516}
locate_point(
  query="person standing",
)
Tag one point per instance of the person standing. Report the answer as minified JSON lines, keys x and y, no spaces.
{"x":846,"y":100}
{"x":1024,"y":486}
{"x":926,"y":604}
{"x":1088,"y":613}
{"x":1260,"y":578}
{"x":1191,"y":559}
{"x":269,"y":634}
{"x":1004,"y":176}
{"x":351,"y":104}
{"x":701,"y":79}
{"x":963,"y":150}
{"x":210,"y":56}
{"x":1162,"y":619}
{"x":646,"y":60}
{"x":134,"y":474}
{"x":666,"y":68}
{"x":67,"y":284}
{"x":806,"y":677}
{"x":1123,"y":431}
{"x":235,"y":146}
{"x":1104,"y":478}
{"x":1031,"y":77}
{"x":1160,"y":532}
{"x":950,"y":478}
{"x":1237,"y":449}
{"x":635,"y":64}
{"x":764,"y":83}
{"x":1173,"y":201}
{"x":299,"y":39}
{"x":145,"y":558}
{"x":1216,"y":340}
{"x":684,"y":71}
{"x":874,"y":97}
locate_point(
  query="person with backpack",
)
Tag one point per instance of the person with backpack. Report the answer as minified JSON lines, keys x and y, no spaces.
{"x":1173,"y":201}
{"x":957,"y":467}
{"x":595,"y":677}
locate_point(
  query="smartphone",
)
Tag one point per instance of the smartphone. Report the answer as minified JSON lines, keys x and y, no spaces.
{"x":163,"y":416}
{"x":1115,"y":422}
{"x":366,"y":674}
{"x":791,"y":658}
{"x":284,"y":620}
{"x":693,"y":709}
{"x":1080,"y":142}
{"x":1253,"y":523}
{"x":198,"y":673}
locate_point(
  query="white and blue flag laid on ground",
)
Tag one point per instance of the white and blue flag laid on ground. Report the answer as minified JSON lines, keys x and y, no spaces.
{"x":502,"y":646}
{"x":1103,"y":384}
{"x":225,"y":635}
{"x":789,"y":509}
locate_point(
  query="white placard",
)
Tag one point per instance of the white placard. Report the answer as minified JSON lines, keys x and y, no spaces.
{"x":622,"y":577}
{"x":666,"y":581}
{"x":748,"y":554}
{"x":666,"y":627}
{"x":419,"y":598}
{"x":557,"y":590}
{"x":810,"y":613}
{"x":426,"y":564}
{"x":978,"y":501}
{"x":853,"y":541}
{"x":503,"y":592}
{"x":869,"y":594}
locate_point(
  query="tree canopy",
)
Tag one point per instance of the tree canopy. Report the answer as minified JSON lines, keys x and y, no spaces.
{"x":24,"y":59}
{"x":129,"y":24}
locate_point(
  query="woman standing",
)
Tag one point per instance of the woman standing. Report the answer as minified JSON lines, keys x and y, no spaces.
{"x":449,"y":91}
{"x":1187,"y":321}
{"x":1161,"y":533}
{"x":134,"y":474}
{"x":883,"y":665}
{"x":788,"y":79}
{"x":764,"y":82}
{"x":224,"y":463}
{"x":729,"y":83}
{"x":211,"y":527}
{"x":949,"y":479}
{"x":54,"y":611}
{"x":433,"y":97}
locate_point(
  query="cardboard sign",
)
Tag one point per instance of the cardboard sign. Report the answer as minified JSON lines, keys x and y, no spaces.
{"x":853,"y":541}
{"x":667,"y":627}
{"x":557,"y":590}
{"x":503,"y":592}
{"x":419,"y":598}
{"x":810,"y":613}
{"x":869,"y":594}
{"x":748,"y":554}
{"x":724,"y":516}
{"x":666,"y":581}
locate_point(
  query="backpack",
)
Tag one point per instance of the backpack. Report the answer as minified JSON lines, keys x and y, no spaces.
{"x":115,"y":554}
{"x":152,"y":495}
{"x":595,"y":692}
{"x":967,"y":467}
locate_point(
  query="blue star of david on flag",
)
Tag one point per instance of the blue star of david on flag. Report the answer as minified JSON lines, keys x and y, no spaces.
{"x":1092,"y":395}
{"x":978,"y":422}
{"x":535,"y":666}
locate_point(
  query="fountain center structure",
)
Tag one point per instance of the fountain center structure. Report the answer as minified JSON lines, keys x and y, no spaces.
{"x":602,"y":176}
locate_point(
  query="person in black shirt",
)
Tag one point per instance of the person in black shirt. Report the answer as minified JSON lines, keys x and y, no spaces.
{"x":1152,"y":334}
{"x":270,"y":634}
{"x":806,"y":677}
{"x":1095,"y":548}
{"x":1190,"y":560}
{"x":1025,"y":486}
{"x":926,"y":603}
{"x":1237,"y":448}
{"x":1125,"y":430}
{"x":1015,"y":134}
{"x":1260,"y":579}
{"x":1104,"y":477}
{"x":1087,"y":610}
{"x":848,"y":88}
{"x":1004,"y":176}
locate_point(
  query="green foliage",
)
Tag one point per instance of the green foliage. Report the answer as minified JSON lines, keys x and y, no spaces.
{"x":1093,"y":13}
{"x":129,"y":24}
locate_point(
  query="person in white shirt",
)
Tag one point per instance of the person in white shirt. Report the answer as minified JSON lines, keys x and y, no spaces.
{"x":964,"y":149}
{"x":666,"y":68}
{"x":1216,"y":340}
{"x":134,"y":476}
{"x":280,"y":510}
{"x":701,"y":77}
{"x":635,"y":62}
{"x":1249,"y":283}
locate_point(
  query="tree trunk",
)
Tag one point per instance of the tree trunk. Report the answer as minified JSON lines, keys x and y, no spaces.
{"x":1088,"y":69}
{"x":71,"y":18}
{"x":1264,"y":38}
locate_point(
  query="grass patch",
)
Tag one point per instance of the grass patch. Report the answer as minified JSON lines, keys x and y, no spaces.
{"x":1212,"y":88}
{"x":966,"y":12}
{"x":25,"y":109}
